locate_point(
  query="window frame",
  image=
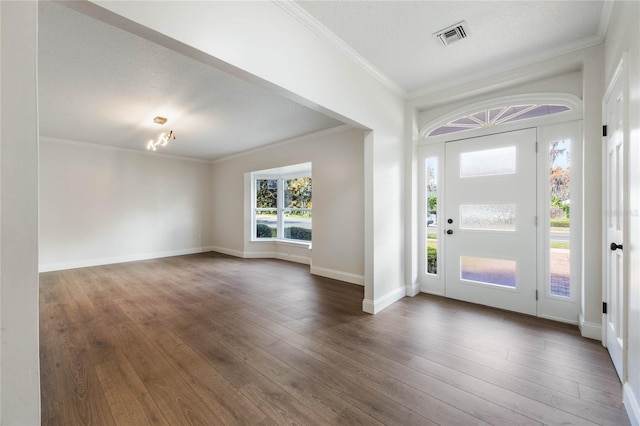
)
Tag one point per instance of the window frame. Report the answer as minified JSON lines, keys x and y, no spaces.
{"x":280,"y":209}
{"x":573,"y":102}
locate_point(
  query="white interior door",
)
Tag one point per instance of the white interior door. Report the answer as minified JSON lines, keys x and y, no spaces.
{"x":490,"y":220}
{"x":614,"y":225}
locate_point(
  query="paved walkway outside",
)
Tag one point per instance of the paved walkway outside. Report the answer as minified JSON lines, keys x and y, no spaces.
{"x":560,"y":272}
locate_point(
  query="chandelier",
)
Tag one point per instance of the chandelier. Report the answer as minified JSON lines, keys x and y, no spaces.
{"x":163,"y":139}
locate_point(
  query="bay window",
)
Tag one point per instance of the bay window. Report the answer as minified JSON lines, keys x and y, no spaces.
{"x":282,"y":205}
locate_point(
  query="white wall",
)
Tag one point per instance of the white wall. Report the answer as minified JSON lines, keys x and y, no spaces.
{"x":19,"y":369}
{"x":102,"y":205}
{"x":264,"y":43}
{"x":578,"y":73}
{"x":337,"y":158}
{"x":624,"y":36}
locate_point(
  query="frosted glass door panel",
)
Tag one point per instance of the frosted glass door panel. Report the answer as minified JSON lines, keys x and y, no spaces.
{"x":488,"y":271}
{"x":488,"y":217}
{"x":488,"y":162}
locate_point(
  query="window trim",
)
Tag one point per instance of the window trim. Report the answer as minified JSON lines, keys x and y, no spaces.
{"x":303,"y":170}
{"x":573,"y":102}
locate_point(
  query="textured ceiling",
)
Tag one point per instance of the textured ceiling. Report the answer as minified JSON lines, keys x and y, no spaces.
{"x":102,"y":85}
{"x":395,"y":37}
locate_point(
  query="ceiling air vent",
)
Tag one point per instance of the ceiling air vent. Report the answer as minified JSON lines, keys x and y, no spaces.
{"x":452,"y":34}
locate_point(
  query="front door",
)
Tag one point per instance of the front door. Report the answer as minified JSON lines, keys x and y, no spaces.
{"x":490,"y":220}
{"x":614,"y":225}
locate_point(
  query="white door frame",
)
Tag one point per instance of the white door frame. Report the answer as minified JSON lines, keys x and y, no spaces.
{"x":619,"y":76}
{"x":547,"y":126}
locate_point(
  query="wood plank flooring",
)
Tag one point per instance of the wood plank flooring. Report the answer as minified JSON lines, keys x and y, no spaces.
{"x":211,"y":339}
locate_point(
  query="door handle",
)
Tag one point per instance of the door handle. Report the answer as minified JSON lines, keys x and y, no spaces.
{"x":449,"y":231}
{"x":615,"y":246}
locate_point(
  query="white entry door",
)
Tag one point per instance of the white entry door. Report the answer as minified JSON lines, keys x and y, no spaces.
{"x":614,"y":225}
{"x":490,"y":220}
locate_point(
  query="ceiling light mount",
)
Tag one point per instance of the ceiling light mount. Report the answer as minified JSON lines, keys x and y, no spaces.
{"x":452,"y":34}
{"x":160,"y":120}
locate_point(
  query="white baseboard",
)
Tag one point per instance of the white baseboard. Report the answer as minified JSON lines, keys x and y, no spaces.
{"x":374,"y":306}
{"x":59,"y":266}
{"x":263,"y":255}
{"x":558,"y":319}
{"x":258,"y":254}
{"x":427,"y":290}
{"x":230,"y":252}
{"x":589,"y":330}
{"x":293,"y":258}
{"x":412,"y":290}
{"x":338,"y":275}
{"x":632,"y":405}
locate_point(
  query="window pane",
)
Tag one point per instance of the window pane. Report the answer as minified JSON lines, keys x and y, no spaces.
{"x":267,"y":193}
{"x":494,"y":113}
{"x":489,"y":162}
{"x":465,"y":120}
{"x":431,"y":173}
{"x":489,"y":217}
{"x":560,"y":212}
{"x":512,"y":112}
{"x":539,"y":112}
{"x":297,"y":225}
{"x":496,"y":116}
{"x":266,"y":223}
{"x":481,"y":116}
{"x":488,"y":271}
{"x":447,"y":129}
{"x":297,"y":193}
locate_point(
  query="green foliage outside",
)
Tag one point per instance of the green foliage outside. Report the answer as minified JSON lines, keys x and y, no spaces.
{"x":296,"y":233}
{"x":264,"y":231}
{"x":292,"y":233}
{"x":432,"y":204}
{"x":432,"y":260}
{"x":556,"y":202}
{"x":297,"y":194}
{"x":266,"y":193}
{"x":560,"y":245}
{"x":560,"y":223}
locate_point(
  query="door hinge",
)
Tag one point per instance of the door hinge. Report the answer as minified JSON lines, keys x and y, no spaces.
{"x":536,"y":294}
{"x":536,"y":147}
{"x":604,"y":130}
{"x":604,"y":307}
{"x":536,"y":220}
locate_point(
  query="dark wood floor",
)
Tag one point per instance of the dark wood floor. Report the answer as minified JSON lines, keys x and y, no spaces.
{"x":210,"y":339}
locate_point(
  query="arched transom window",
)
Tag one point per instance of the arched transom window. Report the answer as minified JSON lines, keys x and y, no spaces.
{"x":494,"y":116}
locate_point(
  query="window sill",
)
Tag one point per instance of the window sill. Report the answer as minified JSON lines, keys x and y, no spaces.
{"x":290,"y":243}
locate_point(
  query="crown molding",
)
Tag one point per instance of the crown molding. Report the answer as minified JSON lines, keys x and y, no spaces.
{"x":326,"y":132}
{"x":553,"y":53}
{"x":327,"y":35}
{"x":605,"y":19}
{"x":120,"y":149}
